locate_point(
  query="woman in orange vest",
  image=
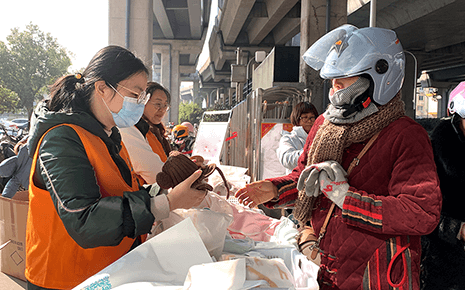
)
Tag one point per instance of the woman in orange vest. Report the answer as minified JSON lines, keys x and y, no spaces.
{"x":146,"y":142}
{"x":86,"y":208}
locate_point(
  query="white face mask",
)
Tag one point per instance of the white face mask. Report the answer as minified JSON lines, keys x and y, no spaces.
{"x":130,"y":113}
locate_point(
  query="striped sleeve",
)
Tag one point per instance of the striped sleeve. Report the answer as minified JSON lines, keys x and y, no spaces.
{"x":287,"y":193}
{"x":362,"y":211}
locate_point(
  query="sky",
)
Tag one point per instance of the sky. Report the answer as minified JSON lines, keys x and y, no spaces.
{"x":79,"y":26}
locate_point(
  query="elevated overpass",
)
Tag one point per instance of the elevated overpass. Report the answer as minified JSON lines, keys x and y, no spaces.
{"x":173,"y":33}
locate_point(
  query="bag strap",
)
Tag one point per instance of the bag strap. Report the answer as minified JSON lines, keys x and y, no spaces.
{"x":354,"y":163}
{"x":356,"y":160}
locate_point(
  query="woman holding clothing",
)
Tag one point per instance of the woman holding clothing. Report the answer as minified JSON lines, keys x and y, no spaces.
{"x":86,"y":209}
{"x":146,"y":142}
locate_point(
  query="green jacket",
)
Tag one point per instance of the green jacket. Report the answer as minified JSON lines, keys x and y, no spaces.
{"x":105,"y":221}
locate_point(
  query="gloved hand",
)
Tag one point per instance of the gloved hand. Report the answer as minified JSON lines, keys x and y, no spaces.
{"x":333,"y":183}
{"x":309,"y":177}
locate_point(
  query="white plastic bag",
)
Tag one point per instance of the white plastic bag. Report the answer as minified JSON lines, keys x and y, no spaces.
{"x":162,"y":260}
{"x":247,"y":223}
{"x":212,"y":226}
{"x":235,"y":176}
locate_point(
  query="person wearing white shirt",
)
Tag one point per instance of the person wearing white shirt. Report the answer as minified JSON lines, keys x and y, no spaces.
{"x":292,"y":143}
{"x":146,"y":141}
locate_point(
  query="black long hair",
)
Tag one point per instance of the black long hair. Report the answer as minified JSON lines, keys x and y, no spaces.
{"x":112,"y":64}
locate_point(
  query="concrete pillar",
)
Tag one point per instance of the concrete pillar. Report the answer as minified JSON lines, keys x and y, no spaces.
{"x":135,"y":33}
{"x":175,"y":86}
{"x":165,"y":68}
{"x":312,"y":27}
{"x":196,"y":97}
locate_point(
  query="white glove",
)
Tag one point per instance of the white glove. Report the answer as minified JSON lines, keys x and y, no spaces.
{"x":309,"y":177}
{"x":333,"y":183}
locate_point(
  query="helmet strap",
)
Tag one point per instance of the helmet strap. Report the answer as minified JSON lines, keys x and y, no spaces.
{"x":360,"y":103}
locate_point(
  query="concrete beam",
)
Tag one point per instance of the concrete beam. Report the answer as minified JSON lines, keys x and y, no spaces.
{"x":403,"y":12}
{"x":260,"y":27}
{"x":233,"y":17}
{"x":443,"y":41}
{"x":354,"y":5}
{"x":218,"y":52}
{"x":193,"y":58}
{"x":195,"y":17}
{"x":187,"y":69}
{"x":162,"y":18}
{"x":285,"y":30}
{"x":186,"y":46}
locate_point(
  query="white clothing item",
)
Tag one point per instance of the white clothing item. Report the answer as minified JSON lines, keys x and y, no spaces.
{"x":146,"y":163}
{"x":160,"y":207}
{"x":291,"y":146}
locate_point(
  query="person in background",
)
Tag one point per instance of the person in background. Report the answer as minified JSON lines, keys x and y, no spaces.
{"x":86,"y":209}
{"x":190,"y":128}
{"x":366,"y":184}
{"x":443,"y":255}
{"x":17,"y":168}
{"x":291,"y":144}
{"x":182,"y":141}
{"x":146,"y":142}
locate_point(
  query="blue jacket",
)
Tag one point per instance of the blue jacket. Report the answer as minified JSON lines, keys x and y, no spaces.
{"x":18,"y":168}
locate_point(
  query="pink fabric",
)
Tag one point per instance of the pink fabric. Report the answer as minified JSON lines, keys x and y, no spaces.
{"x":251,"y":224}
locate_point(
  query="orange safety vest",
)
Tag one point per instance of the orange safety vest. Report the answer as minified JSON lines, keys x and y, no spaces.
{"x":53,"y":258}
{"x":157,"y":148}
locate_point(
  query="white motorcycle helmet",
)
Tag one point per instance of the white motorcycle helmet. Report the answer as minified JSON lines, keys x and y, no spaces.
{"x":457,"y":100}
{"x":348,"y":51}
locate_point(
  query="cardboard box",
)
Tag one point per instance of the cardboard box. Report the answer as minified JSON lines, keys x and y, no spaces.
{"x":13,"y":217}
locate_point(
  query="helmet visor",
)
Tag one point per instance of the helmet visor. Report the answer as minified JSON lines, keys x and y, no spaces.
{"x":342,"y":52}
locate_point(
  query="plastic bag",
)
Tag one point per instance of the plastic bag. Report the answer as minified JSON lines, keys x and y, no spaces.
{"x":247,"y":222}
{"x":235,"y":176}
{"x":163,"y":260}
{"x":212,"y":226}
{"x":272,"y":270}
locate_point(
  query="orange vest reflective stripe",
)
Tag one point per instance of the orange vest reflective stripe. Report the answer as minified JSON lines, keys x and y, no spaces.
{"x":53,"y":258}
{"x":157,"y":148}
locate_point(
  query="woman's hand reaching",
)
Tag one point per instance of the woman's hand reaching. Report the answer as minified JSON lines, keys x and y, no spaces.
{"x":257,"y":193}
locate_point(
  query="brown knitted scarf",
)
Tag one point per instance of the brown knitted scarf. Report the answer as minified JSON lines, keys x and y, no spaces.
{"x":331,"y":140}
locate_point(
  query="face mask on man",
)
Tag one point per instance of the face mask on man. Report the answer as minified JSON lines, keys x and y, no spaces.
{"x":130,"y":113}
